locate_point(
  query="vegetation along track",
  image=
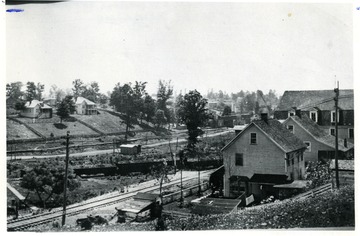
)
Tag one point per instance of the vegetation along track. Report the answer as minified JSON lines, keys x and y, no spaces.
{"x":25,"y":222}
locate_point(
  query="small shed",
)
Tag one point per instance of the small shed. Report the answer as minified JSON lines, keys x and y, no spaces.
{"x":289,"y":189}
{"x":142,"y":207}
{"x":130,"y":149}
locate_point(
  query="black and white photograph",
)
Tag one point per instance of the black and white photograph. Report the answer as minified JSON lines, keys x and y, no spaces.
{"x":179,"y":116}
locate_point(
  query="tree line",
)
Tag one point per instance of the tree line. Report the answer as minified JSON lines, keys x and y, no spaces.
{"x":245,"y":101}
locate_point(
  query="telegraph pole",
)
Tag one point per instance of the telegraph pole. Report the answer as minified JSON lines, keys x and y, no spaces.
{"x":336,"y":99}
{"x":66,"y":177}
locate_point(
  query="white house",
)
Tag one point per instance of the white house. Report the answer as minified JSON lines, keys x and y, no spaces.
{"x":36,"y":109}
{"x":85,"y":106}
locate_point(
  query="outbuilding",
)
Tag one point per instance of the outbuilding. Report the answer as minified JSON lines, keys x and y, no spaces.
{"x":130,"y":149}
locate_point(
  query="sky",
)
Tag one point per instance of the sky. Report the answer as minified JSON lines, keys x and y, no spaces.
{"x":205,"y":45}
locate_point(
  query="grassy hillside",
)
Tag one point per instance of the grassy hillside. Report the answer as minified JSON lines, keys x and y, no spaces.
{"x":75,"y":128}
{"x":104,"y":122}
{"x":15,"y":130}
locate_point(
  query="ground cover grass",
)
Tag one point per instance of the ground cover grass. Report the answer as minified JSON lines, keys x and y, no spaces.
{"x":15,"y":130}
{"x":75,"y":128}
{"x":105,"y":122}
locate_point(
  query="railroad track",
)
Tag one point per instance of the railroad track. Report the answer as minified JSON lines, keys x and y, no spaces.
{"x":26,"y":222}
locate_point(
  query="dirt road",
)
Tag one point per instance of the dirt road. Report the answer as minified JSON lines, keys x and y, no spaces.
{"x":98,"y":152}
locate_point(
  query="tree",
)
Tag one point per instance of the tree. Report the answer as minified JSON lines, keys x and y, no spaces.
{"x":194,"y":115}
{"x":14,"y":90}
{"x":103,"y":99}
{"x":65,"y":107}
{"x":56,"y":93}
{"x":139,"y":97}
{"x":178,"y":102}
{"x":30,"y":91}
{"x":47,"y":179}
{"x":20,"y":106}
{"x":90,"y":91}
{"x":160,"y":172}
{"x":165,"y":91}
{"x":79,"y":88}
{"x":149,"y":108}
{"x":160,"y":118}
{"x":227,"y":111}
{"x":39,"y":90}
{"x":125,"y":99}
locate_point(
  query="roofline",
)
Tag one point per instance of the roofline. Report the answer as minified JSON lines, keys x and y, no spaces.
{"x":252,"y":123}
{"x":311,"y":133}
{"x":236,"y":137}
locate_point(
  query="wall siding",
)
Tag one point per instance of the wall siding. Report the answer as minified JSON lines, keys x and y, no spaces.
{"x":315,"y":145}
{"x":263,"y":158}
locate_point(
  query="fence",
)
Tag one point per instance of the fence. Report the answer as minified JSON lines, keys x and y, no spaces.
{"x":186,"y":192}
{"x":314,"y":192}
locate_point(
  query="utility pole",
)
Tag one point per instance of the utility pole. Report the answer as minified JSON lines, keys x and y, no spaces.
{"x":181,"y":157}
{"x":66,"y":177}
{"x":336,"y":99}
{"x":199,"y":191}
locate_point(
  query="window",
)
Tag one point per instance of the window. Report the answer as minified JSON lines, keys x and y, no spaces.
{"x":253,"y":138}
{"x":332,"y":131}
{"x":290,"y":128}
{"x":302,"y":157}
{"x":292,"y":161}
{"x":291,"y":113}
{"x":314,"y":116}
{"x":239,"y":160}
{"x":333,"y":116}
{"x":351,"y":133}
{"x":308,"y":144}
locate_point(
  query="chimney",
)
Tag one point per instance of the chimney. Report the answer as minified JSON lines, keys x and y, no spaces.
{"x":298,"y":113}
{"x":345,"y":142}
{"x":264,"y":117}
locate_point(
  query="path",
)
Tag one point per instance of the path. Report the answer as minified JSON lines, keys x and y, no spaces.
{"x":109,"y":151}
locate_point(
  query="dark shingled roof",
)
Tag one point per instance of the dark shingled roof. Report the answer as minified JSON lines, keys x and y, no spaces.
{"x":315,"y":98}
{"x":277,"y":132}
{"x":320,"y":134}
{"x":282,"y":136}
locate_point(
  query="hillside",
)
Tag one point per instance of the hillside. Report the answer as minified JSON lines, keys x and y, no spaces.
{"x":104,"y":122}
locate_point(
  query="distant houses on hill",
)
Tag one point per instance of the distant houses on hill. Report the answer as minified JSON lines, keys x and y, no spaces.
{"x":319,"y":106}
{"x":84,"y":106}
{"x":320,"y":144}
{"x":36,"y":109}
{"x":45,"y":109}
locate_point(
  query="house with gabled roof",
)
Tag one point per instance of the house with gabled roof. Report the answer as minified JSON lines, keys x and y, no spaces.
{"x":319,"y":106}
{"x":84,"y":106}
{"x":262,"y":155}
{"x":36,"y":109}
{"x":320,"y":144}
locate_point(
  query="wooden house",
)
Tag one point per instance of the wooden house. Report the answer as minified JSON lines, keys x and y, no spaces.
{"x":320,"y":144}
{"x":319,"y":105}
{"x":36,"y":109}
{"x":84,"y":106}
{"x":265,"y":153}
